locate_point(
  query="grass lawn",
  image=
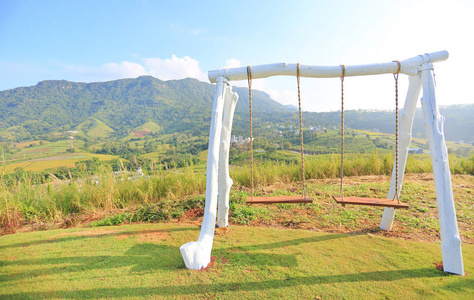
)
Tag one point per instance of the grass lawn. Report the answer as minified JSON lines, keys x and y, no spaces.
{"x":143,"y":261}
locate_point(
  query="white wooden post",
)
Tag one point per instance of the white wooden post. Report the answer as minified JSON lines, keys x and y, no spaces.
{"x":405,"y":135}
{"x":450,"y":240}
{"x":225,"y":182}
{"x":197,"y":255}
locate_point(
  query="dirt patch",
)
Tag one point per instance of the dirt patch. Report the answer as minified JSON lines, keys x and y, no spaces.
{"x":439,"y":266}
{"x":193,"y":213}
{"x":146,"y":236}
{"x":141,"y":133}
{"x":210,"y":265}
{"x":215,"y":264}
{"x":153,"y":237}
{"x":222,"y":230}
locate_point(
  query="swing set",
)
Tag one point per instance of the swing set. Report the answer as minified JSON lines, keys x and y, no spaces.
{"x":339,"y":199}
{"x":419,"y":69}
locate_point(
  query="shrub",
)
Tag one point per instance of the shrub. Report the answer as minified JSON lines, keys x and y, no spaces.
{"x":243,"y":214}
{"x":112,"y":220}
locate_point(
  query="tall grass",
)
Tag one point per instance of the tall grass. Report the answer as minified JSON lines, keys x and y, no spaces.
{"x":329,"y":166}
{"x":27,"y":200}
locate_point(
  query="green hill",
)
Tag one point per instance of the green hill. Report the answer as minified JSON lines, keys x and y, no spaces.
{"x":143,"y":130}
{"x":59,"y":105}
{"x":94,"y":128}
{"x":122,"y":106}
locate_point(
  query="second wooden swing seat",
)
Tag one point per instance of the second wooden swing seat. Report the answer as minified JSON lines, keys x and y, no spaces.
{"x":369,"y":202}
{"x":364,"y":200}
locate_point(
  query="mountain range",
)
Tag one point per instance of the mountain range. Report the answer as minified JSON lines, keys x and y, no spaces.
{"x":116,"y":108}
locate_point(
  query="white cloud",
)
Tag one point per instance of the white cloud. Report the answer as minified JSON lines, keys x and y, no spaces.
{"x":232,"y":63}
{"x":174,"y":68}
{"x":123,"y":70}
{"x":109,"y":71}
{"x":164,"y":69}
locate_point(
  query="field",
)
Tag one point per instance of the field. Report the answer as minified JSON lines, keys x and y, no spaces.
{"x":278,"y":252}
{"x":67,"y":160}
{"x":67,"y":244}
{"x":43,"y":150}
{"x":143,"y":261}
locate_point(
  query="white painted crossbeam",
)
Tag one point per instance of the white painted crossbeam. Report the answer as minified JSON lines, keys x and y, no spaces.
{"x":408,"y":66}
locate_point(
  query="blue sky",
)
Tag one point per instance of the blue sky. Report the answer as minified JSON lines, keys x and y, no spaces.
{"x":105,"y":40}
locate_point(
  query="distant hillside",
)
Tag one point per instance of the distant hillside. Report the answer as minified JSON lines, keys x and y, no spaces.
{"x":132,"y":108}
{"x":458,"y":125}
{"x":121,"y":105}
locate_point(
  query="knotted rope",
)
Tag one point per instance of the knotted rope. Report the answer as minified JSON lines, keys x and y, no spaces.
{"x":343,"y":67}
{"x":249,"y":79}
{"x":395,"y":76}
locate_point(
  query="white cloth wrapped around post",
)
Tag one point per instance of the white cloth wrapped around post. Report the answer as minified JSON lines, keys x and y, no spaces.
{"x":197,"y":255}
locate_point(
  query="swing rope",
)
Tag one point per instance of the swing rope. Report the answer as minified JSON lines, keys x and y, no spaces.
{"x":342,"y":130}
{"x":365,"y":200}
{"x":249,"y":79}
{"x":395,"y":75}
{"x":301,"y":130}
{"x":284,"y":199}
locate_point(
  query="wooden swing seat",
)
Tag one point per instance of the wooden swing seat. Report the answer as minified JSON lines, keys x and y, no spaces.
{"x":279,"y":199}
{"x":370,"y":202}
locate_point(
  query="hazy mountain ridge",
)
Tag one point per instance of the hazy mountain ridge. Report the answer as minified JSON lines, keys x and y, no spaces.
{"x":59,"y":105}
{"x":175,"y":106}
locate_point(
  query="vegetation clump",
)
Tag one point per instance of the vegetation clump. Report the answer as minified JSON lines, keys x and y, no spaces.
{"x":30,"y":198}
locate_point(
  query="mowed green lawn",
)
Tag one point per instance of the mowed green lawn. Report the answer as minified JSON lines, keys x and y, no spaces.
{"x":143,"y":261}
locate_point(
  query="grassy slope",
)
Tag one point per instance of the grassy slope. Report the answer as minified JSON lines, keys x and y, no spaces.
{"x":147,"y":128}
{"x":94,"y":128}
{"x":143,"y":261}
